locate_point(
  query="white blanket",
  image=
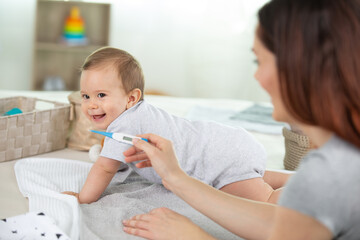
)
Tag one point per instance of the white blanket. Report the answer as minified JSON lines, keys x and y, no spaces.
{"x":42,"y":181}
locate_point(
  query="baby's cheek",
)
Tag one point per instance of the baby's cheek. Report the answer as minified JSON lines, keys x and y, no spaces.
{"x":84,"y":110}
{"x":82,"y":106}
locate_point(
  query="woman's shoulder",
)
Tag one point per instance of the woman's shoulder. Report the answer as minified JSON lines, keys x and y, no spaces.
{"x":336,"y":154}
{"x":327,"y":177}
{"x":329,"y":169}
{"x":337,"y":144}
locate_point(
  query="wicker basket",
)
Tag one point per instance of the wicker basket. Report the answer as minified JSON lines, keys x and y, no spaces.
{"x":296,"y":147}
{"x":34,"y":131}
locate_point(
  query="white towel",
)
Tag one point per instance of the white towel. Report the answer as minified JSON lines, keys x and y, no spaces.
{"x":42,"y":180}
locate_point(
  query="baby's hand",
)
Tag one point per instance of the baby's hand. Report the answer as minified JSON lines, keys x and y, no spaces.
{"x":72,"y":194}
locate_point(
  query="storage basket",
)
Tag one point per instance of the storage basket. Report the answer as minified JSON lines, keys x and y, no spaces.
{"x":296,"y":147}
{"x":42,"y":127}
{"x":80,"y":136}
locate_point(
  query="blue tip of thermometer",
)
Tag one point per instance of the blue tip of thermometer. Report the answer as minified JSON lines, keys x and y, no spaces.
{"x":120,"y":137}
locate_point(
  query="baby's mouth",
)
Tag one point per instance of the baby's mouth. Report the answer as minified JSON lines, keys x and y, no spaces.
{"x":97,"y":117}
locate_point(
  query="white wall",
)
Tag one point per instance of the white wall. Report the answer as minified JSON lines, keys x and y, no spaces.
{"x":190,"y":48}
{"x":17,"y":22}
{"x":194,"y":48}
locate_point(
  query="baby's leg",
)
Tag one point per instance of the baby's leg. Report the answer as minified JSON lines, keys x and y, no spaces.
{"x":254,"y":189}
{"x":276,"y":179}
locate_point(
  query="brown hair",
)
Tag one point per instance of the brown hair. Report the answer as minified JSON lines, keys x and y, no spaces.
{"x":316,"y":44}
{"x":128,"y":68}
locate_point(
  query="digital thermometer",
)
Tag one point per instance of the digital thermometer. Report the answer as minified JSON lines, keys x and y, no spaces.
{"x":120,"y":137}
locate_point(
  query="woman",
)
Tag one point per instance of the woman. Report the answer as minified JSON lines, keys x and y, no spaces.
{"x":309,"y":63}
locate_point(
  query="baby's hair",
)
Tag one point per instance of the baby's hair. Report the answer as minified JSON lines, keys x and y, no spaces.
{"x":127,"y":67}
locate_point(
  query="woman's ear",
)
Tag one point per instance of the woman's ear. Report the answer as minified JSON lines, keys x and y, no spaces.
{"x":133,"y":97}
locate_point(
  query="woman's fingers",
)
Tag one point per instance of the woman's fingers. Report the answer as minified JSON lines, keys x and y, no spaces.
{"x":136,"y":223}
{"x":138,"y":226}
{"x":137,"y":157}
{"x":145,"y":146}
{"x":143,"y":217}
{"x":131,"y":151}
{"x":157,"y":153}
{"x":138,"y":232}
{"x":163,"y":223}
{"x":134,"y":153}
{"x":144,"y":164}
{"x":154,"y":139}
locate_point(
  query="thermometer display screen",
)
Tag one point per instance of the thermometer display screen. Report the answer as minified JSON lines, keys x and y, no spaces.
{"x":127,"y":138}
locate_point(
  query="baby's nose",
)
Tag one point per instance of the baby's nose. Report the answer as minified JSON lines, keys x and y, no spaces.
{"x":93,"y":105}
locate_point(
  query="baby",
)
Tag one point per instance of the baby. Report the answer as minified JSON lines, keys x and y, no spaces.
{"x":112,"y":86}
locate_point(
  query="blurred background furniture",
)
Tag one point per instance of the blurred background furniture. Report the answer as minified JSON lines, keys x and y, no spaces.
{"x":57,"y":61}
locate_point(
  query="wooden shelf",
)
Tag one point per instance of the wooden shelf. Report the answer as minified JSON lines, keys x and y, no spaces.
{"x":56,"y":47}
{"x":55,"y":59}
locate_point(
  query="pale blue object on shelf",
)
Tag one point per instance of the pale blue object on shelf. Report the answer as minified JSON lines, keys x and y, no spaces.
{"x":54,"y":83}
{"x":13,"y":112}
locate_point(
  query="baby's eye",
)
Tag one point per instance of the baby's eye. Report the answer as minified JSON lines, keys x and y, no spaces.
{"x":101,"y":95}
{"x":256,"y":61}
{"x":85,"y":96}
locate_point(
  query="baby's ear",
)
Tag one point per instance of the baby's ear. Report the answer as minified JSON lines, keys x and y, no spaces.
{"x":133,"y":97}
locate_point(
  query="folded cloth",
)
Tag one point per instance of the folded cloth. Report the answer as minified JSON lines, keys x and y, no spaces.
{"x":256,"y":118}
{"x":31,"y":226}
{"x":128,"y":194}
{"x":258,"y":114}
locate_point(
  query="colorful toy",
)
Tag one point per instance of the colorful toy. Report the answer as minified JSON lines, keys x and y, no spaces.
{"x":74,"y":29}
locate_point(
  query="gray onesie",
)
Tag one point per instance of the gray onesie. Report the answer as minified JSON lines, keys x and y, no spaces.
{"x":327,"y":188}
{"x":213,"y":153}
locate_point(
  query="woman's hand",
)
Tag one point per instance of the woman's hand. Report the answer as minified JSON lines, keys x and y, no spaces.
{"x":163,"y":223}
{"x":159,"y":154}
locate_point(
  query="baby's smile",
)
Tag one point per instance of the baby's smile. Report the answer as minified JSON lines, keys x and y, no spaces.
{"x":98,"y":117}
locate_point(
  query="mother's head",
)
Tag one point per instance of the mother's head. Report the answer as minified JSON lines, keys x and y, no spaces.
{"x":314,"y":46}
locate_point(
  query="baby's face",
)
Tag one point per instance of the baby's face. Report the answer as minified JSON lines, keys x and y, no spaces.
{"x":103,"y":96}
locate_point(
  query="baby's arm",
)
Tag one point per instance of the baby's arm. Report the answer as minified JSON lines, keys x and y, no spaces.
{"x":98,"y":179}
{"x":277,"y":179}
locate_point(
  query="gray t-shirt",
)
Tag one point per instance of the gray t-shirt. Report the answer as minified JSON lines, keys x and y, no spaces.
{"x":327,"y":188}
{"x":213,"y":153}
